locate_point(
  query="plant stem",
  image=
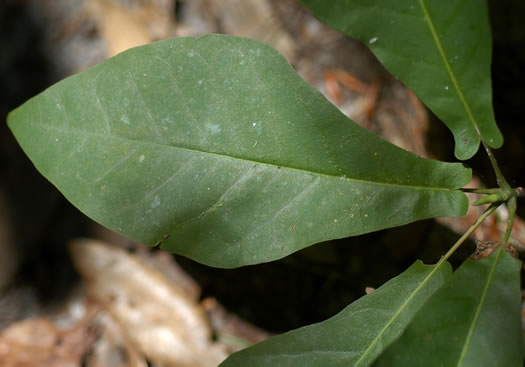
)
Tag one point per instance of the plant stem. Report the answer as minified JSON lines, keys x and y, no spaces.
{"x":503,"y":184}
{"x":499,"y":176}
{"x":471,"y":229}
{"x":511,"y":207}
{"x":481,"y":191}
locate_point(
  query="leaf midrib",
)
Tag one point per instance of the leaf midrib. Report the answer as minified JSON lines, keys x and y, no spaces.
{"x":398,"y":312}
{"x":451,"y":74}
{"x":479,"y":308}
{"x":222,"y":155}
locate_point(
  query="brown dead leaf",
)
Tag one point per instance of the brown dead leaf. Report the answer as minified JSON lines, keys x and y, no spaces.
{"x":123,"y":27}
{"x":230,"y":329}
{"x":484,"y":249}
{"x":112,"y":348}
{"x":166,"y":323}
{"x":255,"y":19}
{"x":38,"y":342}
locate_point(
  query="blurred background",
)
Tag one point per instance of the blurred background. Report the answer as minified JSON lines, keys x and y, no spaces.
{"x":97,"y":302}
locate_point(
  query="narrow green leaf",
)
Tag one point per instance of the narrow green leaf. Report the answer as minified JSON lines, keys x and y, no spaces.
{"x":358,"y":334}
{"x":215,"y":147}
{"x":474,"y":320}
{"x":441,"y":50}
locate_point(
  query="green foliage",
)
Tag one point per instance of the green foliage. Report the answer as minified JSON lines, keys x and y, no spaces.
{"x":484,"y":328}
{"x":359,"y":333}
{"x":442,"y":51}
{"x":216,"y":149}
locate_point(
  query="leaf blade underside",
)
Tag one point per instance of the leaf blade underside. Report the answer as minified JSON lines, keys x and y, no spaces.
{"x":356,"y":335}
{"x":474,"y":320}
{"x":216,"y":148}
{"x":441,"y":52}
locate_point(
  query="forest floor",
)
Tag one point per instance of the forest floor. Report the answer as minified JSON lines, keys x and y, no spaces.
{"x":73,"y":293}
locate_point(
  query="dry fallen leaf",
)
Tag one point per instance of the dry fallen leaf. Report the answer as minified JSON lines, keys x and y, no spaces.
{"x":255,"y":19}
{"x":38,"y":342}
{"x":123,"y":27}
{"x":167,"y":324}
{"x":112,"y":347}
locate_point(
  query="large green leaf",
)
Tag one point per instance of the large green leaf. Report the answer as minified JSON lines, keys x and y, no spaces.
{"x":217,"y":148}
{"x":474,"y":320}
{"x":441,"y":50}
{"x":358,"y":334}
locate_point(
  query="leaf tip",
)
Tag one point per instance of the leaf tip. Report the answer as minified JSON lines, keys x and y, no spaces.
{"x":495,"y":140}
{"x":466,"y":146}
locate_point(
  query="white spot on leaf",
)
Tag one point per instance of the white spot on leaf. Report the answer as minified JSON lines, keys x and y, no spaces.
{"x":124,"y":119}
{"x":373,"y":40}
{"x":141,"y":158}
{"x":156,"y":201}
{"x":213,"y":128}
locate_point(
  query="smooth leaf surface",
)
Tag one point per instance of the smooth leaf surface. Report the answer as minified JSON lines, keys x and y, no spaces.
{"x":358,"y":334}
{"x":474,"y":320}
{"x":440,"y":50}
{"x":215,"y":147}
